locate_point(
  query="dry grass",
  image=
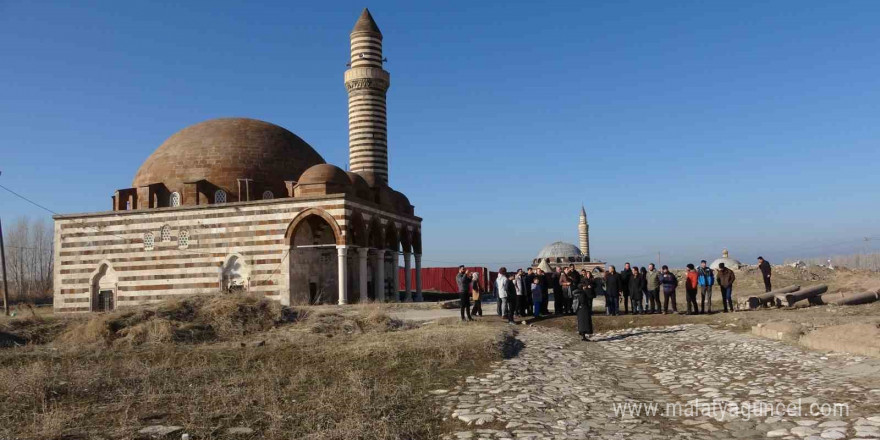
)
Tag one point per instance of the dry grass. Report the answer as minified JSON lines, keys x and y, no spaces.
{"x":323,"y":375}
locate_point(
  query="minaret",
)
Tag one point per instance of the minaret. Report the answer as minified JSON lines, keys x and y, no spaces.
{"x":366,"y":82}
{"x":584,"y":234}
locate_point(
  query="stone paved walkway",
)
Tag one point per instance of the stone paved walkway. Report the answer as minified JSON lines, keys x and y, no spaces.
{"x":561,"y":388}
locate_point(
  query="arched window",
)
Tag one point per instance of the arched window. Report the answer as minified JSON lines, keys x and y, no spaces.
{"x":166,"y":233}
{"x":267,"y":195}
{"x":175,"y":199}
{"x":183,"y":239}
{"x":148,"y":241}
{"x":219,"y":196}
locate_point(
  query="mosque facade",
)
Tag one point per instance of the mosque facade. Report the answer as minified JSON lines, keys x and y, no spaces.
{"x":242,"y":205}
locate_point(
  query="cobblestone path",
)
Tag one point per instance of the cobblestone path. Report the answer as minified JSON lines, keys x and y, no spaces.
{"x":706,"y":384}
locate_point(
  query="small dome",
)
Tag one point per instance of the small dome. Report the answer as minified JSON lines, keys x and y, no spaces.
{"x":559,"y":249}
{"x":221,"y":151}
{"x":325,"y":173}
{"x":361,"y":187}
{"x":729,"y":263}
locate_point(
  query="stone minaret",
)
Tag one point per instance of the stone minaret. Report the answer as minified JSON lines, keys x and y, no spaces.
{"x":366,"y":82}
{"x":584,"y":234}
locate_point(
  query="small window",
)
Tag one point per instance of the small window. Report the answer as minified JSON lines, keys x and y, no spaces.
{"x":267,"y":195}
{"x":166,"y":233}
{"x":148,"y":241}
{"x":220,"y":196}
{"x":175,"y":199}
{"x":183,"y":239}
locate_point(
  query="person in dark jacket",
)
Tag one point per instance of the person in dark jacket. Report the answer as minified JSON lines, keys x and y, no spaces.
{"x":668,"y":283}
{"x":635,"y":290}
{"x":586,"y":291}
{"x":544,"y":280}
{"x":558,"y":299}
{"x":537,"y":296}
{"x":463,"y":282}
{"x":613,"y":287}
{"x":530,"y":277}
{"x":726,"y":277}
{"x":706,"y":278}
{"x":644,"y":276}
{"x":624,"y":286}
{"x":764,"y":265}
{"x":575,"y":277}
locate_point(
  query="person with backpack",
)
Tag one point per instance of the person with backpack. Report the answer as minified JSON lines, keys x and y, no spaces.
{"x":726,"y":277}
{"x":669,"y":283}
{"x":690,"y":288}
{"x":706,"y":279}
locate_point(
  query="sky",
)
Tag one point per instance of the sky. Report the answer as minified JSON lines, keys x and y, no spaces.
{"x":683,"y":127}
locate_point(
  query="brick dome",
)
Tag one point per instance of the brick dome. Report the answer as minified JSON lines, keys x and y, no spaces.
{"x":220,"y":151}
{"x":325,"y":173}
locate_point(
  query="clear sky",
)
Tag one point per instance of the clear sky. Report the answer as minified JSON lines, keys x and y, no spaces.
{"x":683,"y":127}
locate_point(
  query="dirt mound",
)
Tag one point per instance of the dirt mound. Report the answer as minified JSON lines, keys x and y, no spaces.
{"x":189,"y":319}
{"x":332,"y":324}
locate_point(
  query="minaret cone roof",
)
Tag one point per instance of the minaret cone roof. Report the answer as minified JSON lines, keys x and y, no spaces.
{"x":583,"y":212}
{"x":366,"y":24}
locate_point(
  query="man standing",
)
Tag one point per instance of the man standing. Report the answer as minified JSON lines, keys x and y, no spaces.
{"x":669,"y":283}
{"x":706,"y":278}
{"x":624,"y":280}
{"x":530,"y":278}
{"x":691,"y":284}
{"x":544,"y":281}
{"x":613,"y":287}
{"x":726,"y":277}
{"x":558,"y":298}
{"x":565,"y":289}
{"x":764,"y":265}
{"x":575,"y":278}
{"x":635,"y":291}
{"x":653,"y":285}
{"x":463,"y":281}
{"x":519,"y":281}
{"x":501,"y":283}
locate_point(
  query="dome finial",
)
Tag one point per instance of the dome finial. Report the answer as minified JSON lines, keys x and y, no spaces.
{"x":725,"y":254}
{"x":366,"y":23}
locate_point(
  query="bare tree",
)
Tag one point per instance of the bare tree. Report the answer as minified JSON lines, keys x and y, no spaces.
{"x":29,"y":262}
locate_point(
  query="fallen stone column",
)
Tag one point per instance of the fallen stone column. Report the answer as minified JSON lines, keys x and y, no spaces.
{"x":852,"y":299}
{"x":789,"y":299}
{"x":755,"y":301}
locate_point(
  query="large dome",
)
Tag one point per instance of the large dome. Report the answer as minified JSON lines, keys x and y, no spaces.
{"x":221,"y":151}
{"x":559,"y":249}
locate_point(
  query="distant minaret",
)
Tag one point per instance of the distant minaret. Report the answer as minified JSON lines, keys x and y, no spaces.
{"x":584,"y":234}
{"x":366,"y":82}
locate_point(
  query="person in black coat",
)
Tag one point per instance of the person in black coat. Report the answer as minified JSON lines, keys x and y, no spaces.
{"x":624,"y":286}
{"x":764,"y":265}
{"x":585,"y":292}
{"x":530,"y":277}
{"x":613,"y":287}
{"x":635,"y":290}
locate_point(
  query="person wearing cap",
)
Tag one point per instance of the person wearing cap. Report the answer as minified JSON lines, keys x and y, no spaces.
{"x":726,"y":277}
{"x":706,"y":278}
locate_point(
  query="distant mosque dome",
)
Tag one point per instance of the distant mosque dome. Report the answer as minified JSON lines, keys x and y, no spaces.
{"x":559,"y":249}
{"x":729,"y":263}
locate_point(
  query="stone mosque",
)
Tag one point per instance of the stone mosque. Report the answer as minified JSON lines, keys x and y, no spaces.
{"x":562,"y":254}
{"x":238,"y":204}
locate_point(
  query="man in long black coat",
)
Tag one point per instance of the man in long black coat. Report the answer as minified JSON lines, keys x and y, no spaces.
{"x":764,"y":265}
{"x":624,"y":278}
{"x":613,"y":287}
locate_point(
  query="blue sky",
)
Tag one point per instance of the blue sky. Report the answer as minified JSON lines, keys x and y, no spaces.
{"x":683,"y":127}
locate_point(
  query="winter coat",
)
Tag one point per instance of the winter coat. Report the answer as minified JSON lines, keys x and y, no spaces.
{"x":501,"y":284}
{"x":537,"y":294}
{"x":726,"y":277}
{"x":653,"y":279}
{"x":765,"y":268}
{"x":691,"y":280}
{"x":706,"y":276}
{"x":635,"y":287}
{"x":519,"y":283}
{"x":669,"y":282}
{"x":613,"y":284}
{"x":463,"y":281}
{"x":624,"y":279}
{"x":475,"y":290}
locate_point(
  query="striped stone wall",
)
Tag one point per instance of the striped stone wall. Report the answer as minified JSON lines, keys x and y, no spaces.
{"x":254,"y":231}
{"x":367,"y":83}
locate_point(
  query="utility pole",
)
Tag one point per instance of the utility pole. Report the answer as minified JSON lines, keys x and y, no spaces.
{"x":5,"y":285}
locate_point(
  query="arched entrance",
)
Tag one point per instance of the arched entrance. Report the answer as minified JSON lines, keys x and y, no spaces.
{"x":313,"y":236}
{"x":103,"y":286}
